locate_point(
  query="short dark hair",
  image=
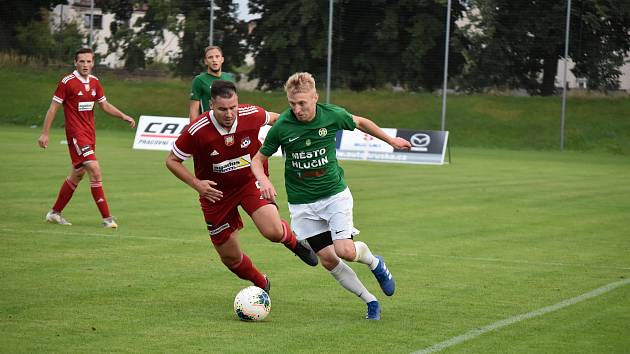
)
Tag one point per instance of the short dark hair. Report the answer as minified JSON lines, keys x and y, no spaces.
{"x":83,"y":51}
{"x":222,"y":88}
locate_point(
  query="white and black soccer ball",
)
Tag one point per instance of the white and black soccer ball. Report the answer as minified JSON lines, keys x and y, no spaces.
{"x":252,"y":304}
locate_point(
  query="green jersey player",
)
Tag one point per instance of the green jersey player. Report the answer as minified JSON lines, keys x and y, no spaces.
{"x":200,"y":91}
{"x":320,"y":202}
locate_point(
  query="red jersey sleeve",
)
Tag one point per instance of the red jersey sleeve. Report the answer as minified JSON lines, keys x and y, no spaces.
{"x":256,"y":116}
{"x":100,"y":93}
{"x":60,"y":93}
{"x":183,"y":146}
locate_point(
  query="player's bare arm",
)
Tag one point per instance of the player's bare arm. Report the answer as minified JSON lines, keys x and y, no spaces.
{"x":367,"y":126}
{"x":115,"y":112}
{"x":193,"y":111}
{"x":267,"y":190}
{"x":273,"y":117}
{"x":203,"y":187}
{"x":50,"y":116}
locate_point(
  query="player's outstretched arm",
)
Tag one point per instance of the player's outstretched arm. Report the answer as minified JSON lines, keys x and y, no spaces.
{"x":115,"y":112}
{"x":367,"y":126}
{"x":203,"y":187}
{"x":267,"y":190}
{"x":50,"y":117}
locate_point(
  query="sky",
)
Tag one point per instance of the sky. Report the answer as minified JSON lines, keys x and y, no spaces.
{"x":243,"y":10}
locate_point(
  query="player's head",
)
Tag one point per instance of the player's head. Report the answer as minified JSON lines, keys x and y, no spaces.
{"x":302,"y":96}
{"x":213,"y":58}
{"x":84,"y":61}
{"x":224,"y":102}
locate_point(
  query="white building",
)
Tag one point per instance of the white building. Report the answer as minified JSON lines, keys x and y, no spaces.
{"x":80,"y":11}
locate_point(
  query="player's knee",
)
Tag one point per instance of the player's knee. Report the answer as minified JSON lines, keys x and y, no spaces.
{"x":346,"y":250}
{"x":328,"y":261}
{"x":274,"y":233}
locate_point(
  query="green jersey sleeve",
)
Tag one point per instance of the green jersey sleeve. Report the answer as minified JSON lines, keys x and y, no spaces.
{"x":272,"y":141}
{"x":196,"y":92}
{"x":343,"y":119}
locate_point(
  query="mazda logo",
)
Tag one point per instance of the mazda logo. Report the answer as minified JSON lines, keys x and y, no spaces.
{"x":420,"y":140}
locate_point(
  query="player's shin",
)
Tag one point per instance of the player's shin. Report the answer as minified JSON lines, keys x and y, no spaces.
{"x":96,"y":187}
{"x":245,"y":270}
{"x":349,"y":280}
{"x":64,"y":196}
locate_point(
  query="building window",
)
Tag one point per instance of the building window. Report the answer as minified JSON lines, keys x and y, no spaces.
{"x":97,"y":24}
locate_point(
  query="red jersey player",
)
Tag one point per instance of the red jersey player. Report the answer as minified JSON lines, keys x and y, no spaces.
{"x":222,"y":142}
{"x":78,"y":92}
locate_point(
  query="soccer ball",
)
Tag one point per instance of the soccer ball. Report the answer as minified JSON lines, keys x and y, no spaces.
{"x":252,"y":304}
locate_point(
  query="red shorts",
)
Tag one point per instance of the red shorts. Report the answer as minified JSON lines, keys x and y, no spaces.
{"x":222,"y":217}
{"x":81,"y":151}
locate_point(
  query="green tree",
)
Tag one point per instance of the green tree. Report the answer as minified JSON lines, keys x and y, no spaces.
{"x":228,"y":31}
{"x":375,"y":42}
{"x":518,"y":44}
{"x":18,"y":13}
{"x":290,"y":36}
{"x":37,"y":39}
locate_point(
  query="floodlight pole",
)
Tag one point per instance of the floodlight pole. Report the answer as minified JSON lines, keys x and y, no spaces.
{"x":329,"y":65}
{"x":91,"y":23}
{"x":564,"y":79}
{"x":211,"y":34}
{"x":446,"y":41}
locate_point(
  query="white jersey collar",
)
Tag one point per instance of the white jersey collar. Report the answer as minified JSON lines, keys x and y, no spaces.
{"x":220,"y":128}
{"x":81,"y":78}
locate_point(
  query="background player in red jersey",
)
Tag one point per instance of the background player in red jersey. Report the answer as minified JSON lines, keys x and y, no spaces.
{"x":77,"y":93}
{"x":222,"y":142}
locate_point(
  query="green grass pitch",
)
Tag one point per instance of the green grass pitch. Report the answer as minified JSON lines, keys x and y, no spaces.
{"x":493,"y":235}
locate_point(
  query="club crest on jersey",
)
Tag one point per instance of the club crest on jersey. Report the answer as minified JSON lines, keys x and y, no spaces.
{"x":308,"y":142}
{"x":87,"y":87}
{"x":245,"y":142}
{"x":229,"y":140}
{"x":93,"y":92}
{"x":322,"y":132}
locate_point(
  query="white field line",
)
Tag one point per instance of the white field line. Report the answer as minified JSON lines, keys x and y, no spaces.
{"x":518,"y":318}
{"x":513,"y":261}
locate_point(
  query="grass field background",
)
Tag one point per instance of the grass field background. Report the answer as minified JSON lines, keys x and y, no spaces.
{"x":494,"y":234}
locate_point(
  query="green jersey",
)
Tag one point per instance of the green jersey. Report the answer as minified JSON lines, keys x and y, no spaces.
{"x":311,"y":171}
{"x":201,"y":88}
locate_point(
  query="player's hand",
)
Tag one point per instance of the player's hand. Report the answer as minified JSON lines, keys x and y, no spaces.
{"x":267,"y":190}
{"x":43,"y":141}
{"x":131,"y":121}
{"x":400,"y":144}
{"x":204,"y":187}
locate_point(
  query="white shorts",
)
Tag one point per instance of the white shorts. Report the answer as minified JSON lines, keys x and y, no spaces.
{"x":332,"y":214}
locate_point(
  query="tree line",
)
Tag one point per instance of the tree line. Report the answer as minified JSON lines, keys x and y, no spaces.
{"x":494,"y":44}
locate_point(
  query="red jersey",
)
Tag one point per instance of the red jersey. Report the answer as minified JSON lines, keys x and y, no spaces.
{"x":78,"y":96}
{"x":220,"y":155}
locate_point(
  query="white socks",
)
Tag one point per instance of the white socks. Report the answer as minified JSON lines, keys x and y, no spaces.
{"x":364,"y":255}
{"x":349,"y":280}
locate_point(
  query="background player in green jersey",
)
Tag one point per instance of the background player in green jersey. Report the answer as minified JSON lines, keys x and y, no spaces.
{"x":200,"y":92}
{"x":319,"y":199}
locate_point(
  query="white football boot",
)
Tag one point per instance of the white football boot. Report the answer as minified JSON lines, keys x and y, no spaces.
{"x":56,"y":218}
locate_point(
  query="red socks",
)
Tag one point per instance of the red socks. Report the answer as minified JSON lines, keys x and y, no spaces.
{"x":245,"y":270}
{"x":65,"y":194}
{"x":99,"y":198}
{"x":288,"y":238}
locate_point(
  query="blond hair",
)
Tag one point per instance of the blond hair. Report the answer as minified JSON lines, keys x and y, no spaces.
{"x":300,"y":83}
{"x":211,"y":47}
